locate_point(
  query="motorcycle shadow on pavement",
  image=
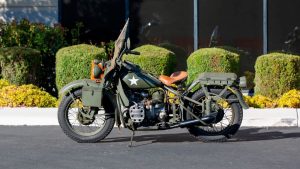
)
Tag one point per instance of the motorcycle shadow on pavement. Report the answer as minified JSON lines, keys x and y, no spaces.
{"x":260,"y":134}
{"x":154,"y":138}
{"x":244,"y":135}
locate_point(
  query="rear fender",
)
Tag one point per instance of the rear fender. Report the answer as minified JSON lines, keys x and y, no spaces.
{"x":239,"y":95}
{"x":220,"y":80}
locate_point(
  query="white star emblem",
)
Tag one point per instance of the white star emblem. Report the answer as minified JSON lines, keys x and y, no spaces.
{"x":133,"y":81}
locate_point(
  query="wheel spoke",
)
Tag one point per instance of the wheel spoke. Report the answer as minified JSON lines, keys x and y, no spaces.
{"x":226,"y":120}
{"x":75,"y":119}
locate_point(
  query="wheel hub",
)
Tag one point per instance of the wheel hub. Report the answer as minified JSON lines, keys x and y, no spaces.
{"x":84,"y":120}
{"x":219,"y":113}
{"x":219,"y":116}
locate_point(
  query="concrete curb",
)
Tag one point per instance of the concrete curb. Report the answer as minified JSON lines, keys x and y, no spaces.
{"x":279,"y":117}
{"x":28,"y":116}
{"x":298,"y":116}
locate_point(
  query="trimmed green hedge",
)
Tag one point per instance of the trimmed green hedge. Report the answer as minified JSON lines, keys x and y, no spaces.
{"x":212,"y":60}
{"x":47,"y":39}
{"x":153,"y":59}
{"x":20,"y":65}
{"x":276,"y":73}
{"x":74,"y":62}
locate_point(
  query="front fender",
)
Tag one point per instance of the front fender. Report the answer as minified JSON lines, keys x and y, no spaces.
{"x":78,"y":84}
{"x":108,"y":96}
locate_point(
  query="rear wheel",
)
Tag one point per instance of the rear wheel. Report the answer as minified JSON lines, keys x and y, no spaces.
{"x":228,"y":116}
{"x":79,"y":123}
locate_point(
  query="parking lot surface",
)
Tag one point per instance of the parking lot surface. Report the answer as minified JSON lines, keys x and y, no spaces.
{"x":46,"y":147}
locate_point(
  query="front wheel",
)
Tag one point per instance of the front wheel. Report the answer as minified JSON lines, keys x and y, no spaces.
{"x":228,"y":116}
{"x":84,"y":124}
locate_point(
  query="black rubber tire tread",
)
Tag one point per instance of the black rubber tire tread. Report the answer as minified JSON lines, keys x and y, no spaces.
{"x":205,"y":136}
{"x":107,"y":128}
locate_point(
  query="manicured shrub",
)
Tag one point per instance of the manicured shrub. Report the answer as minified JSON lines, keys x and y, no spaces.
{"x":25,"y":96}
{"x":153,"y":59}
{"x":4,"y":83}
{"x":212,"y":60}
{"x":276,"y":73}
{"x":259,"y":101}
{"x":20,"y":65}
{"x":240,"y":52}
{"x":74,"y":62}
{"x":290,"y":99}
{"x":245,"y":59}
{"x":46,"y":39}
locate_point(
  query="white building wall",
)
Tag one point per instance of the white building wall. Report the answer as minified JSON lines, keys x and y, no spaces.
{"x":41,"y":11}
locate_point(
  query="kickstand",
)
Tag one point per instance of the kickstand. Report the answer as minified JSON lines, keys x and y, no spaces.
{"x":131,"y":139}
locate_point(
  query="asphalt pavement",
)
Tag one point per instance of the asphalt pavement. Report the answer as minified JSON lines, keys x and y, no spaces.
{"x":46,"y":147}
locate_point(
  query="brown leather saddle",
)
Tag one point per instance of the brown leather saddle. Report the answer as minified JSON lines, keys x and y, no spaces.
{"x":174,"y":78}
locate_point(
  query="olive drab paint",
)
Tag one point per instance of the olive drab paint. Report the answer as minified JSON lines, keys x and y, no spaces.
{"x":140,"y":80}
{"x":123,"y":97}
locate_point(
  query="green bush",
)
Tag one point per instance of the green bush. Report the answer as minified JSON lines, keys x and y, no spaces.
{"x":259,"y":101}
{"x":25,"y":96}
{"x":290,"y":99}
{"x":48,"y":40}
{"x":276,"y":73}
{"x":74,"y":62}
{"x":45,"y":38}
{"x":4,"y":83}
{"x":240,"y":52}
{"x":153,"y":59}
{"x":212,"y":60}
{"x":20,"y":65}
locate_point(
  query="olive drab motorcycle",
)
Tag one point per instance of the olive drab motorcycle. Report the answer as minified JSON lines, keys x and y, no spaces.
{"x":120,"y":93}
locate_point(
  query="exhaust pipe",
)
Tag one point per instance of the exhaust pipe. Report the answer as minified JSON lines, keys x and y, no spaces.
{"x":206,"y":119}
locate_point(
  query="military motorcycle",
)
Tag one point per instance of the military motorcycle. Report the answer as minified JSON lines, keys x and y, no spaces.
{"x":120,"y":93}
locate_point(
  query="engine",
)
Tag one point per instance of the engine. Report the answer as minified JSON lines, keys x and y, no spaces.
{"x":147,"y":110}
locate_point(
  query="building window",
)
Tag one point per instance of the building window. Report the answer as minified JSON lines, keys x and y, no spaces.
{"x":283,"y":16}
{"x":35,"y":11}
{"x":240,"y":25}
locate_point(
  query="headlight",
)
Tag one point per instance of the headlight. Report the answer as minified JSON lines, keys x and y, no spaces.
{"x":97,"y":70}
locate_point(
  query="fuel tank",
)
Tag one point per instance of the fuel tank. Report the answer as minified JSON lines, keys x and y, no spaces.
{"x":140,"y":80}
